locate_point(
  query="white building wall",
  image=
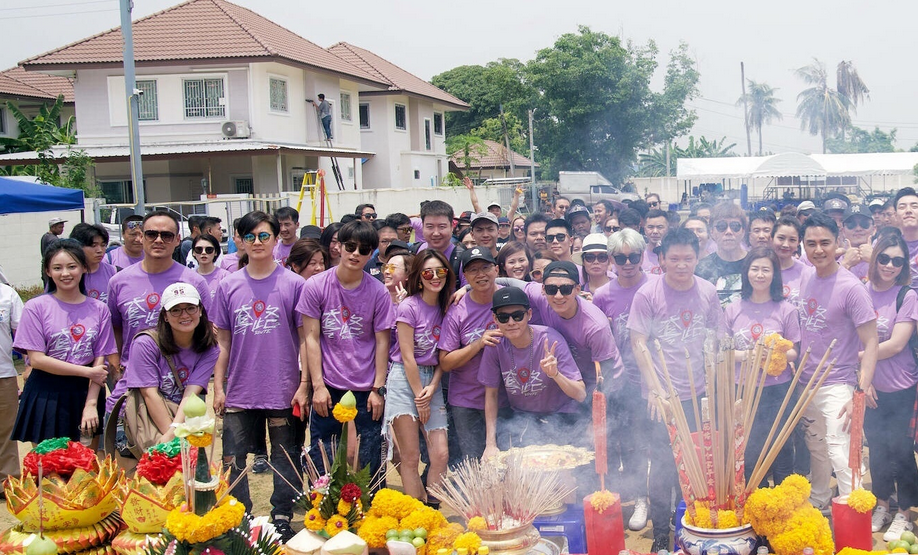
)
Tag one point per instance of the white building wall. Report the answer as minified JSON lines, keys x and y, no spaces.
{"x":276,"y":125}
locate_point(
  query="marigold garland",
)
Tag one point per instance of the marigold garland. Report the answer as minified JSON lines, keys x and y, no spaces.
{"x":374,"y":528}
{"x":443,"y":538}
{"x":344,"y":508}
{"x":194,"y":529}
{"x":335,"y":525}
{"x":314,"y":520}
{"x":426,"y":518}
{"x":202,"y":440}
{"x":784,"y":515}
{"x":343,"y":414}
{"x":468,"y":540}
{"x":60,"y":456}
{"x":862,"y":500}
{"x":388,"y":502}
{"x":477,"y":523}
{"x":779,"y":346}
{"x":602,"y":500}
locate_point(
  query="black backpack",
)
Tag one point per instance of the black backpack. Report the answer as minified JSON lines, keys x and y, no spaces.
{"x":913,"y":340}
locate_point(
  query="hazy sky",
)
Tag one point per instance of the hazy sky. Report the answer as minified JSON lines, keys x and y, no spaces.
{"x":429,"y":37}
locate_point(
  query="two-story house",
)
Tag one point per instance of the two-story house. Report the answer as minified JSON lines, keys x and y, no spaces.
{"x":28,"y":92}
{"x":228,"y":106}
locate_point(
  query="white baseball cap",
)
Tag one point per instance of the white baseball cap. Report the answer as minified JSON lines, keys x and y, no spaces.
{"x":55,"y":221}
{"x":180,"y":293}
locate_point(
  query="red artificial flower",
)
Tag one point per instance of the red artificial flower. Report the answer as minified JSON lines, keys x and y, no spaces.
{"x":159,"y":468}
{"x":350,"y":492}
{"x":62,"y":462}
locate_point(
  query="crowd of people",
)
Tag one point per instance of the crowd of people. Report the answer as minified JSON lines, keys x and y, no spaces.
{"x":462,"y":336}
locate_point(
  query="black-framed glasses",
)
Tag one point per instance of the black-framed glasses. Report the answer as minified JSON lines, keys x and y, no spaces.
{"x":352,"y":246}
{"x":504,"y":317}
{"x":369,"y":216}
{"x":735,"y":227}
{"x":559,"y":237}
{"x":613,"y":229}
{"x":177,"y":311}
{"x":262,"y":236}
{"x":552,"y":290}
{"x":854,"y":223}
{"x":204,"y":250}
{"x":153,"y":235}
{"x":622,"y":259}
{"x":883,"y":259}
{"x":591,"y":257}
{"x":429,"y":273}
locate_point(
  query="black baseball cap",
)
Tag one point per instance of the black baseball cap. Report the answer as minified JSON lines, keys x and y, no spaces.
{"x":509,"y":296}
{"x":476,"y":253}
{"x":396,"y":245}
{"x":858,"y":210}
{"x":562,"y":268}
{"x":310,"y":232}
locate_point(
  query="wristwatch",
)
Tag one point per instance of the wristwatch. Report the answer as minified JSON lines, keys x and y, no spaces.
{"x":381,"y":391}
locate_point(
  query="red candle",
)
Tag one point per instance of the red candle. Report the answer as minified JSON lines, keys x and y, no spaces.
{"x":851,"y":528}
{"x":605,"y":532}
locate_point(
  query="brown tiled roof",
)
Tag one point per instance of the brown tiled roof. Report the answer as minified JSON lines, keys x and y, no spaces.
{"x":398,"y":78}
{"x":211,"y":30}
{"x":19,"y":83}
{"x":495,"y":156}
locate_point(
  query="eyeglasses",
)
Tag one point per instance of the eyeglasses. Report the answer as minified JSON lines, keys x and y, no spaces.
{"x":390,"y":267}
{"x":429,"y":273}
{"x":559,"y":237}
{"x":622,"y":259}
{"x":406,"y":229}
{"x":591,"y":257}
{"x":352,"y":246}
{"x":552,"y":290}
{"x":177,"y":311}
{"x":478,"y":269}
{"x":883,"y":259}
{"x":613,"y":229}
{"x":153,"y":235}
{"x":204,"y":250}
{"x":263,"y":236}
{"x":517,"y":228}
{"x":855,"y":223}
{"x":369,"y":216}
{"x":504,"y":317}
{"x":735,"y":227}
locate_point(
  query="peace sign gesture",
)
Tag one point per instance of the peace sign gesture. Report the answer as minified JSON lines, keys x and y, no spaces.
{"x":549,"y":364}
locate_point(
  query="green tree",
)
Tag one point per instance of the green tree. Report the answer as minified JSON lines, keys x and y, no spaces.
{"x":824,"y":110}
{"x":469,"y":147}
{"x":492,"y":129}
{"x":763,"y":106}
{"x":861,"y":140}
{"x":850,"y":84}
{"x":595,"y":108}
{"x":653,"y":162}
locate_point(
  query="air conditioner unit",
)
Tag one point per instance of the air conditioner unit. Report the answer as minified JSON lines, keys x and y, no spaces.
{"x":238,"y":129}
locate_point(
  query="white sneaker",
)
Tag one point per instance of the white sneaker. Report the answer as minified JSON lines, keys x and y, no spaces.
{"x":639,"y":517}
{"x":880,"y":518}
{"x":899,"y":524}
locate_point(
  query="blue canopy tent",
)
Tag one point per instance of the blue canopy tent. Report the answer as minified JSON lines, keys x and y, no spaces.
{"x":18,"y":196}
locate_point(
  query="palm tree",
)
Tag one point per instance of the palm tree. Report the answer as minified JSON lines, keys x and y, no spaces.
{"x":849,"y":83}
{"x":822,"y":110}
{"x":763,"y":106}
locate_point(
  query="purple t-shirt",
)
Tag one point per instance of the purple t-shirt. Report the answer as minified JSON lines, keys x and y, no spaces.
{"x":679,"y":320}
{"x":97,"y":282}
{"x":349,"y":320}
{"x":418,"y":225}
{"x":426,"y":320}
{"x":263,"y":322}
{"x":913,"y":262}
{"x":213,"y":279}
{"x":747,"y":322}
{"x":589,"y":338}
{"x":281,"y":252}
{"x":833,"y":308}
{"x":133,"y":298}
{"x":791,"y":278}
{"x":465,"y":323}
{"x":120,"y":259}
{"x":615,"y":302}
{"x":149,"y":368}
{"x":860,"y":270}
{"x":528,"y":388}
{"x":897,"y":372}
{"x":230,"y":262}
{"x":74,"y":333}
{"x":651,"y":262}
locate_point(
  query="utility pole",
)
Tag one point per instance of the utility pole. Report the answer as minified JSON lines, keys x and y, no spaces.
{"x":532,"y":180}
{"x":131,"y":91}
{"x":503,"y":123}
{"x":742,"y":71}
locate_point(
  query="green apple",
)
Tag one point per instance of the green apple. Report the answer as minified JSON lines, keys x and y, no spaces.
{"x":420,"y":533}
{"x":417,"y":542}
{"x":391,"y":534}
{"x":194,"y":406}
{"x":41,"y":545}
{"x":903,"y":544}
{"x":908,"y":537}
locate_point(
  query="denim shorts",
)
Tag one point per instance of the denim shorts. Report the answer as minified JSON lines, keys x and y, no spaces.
{"x":400,"y":400}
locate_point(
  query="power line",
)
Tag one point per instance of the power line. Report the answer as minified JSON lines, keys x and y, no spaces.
{"x":55,"y":14}
{"x":853,"y":121}
{"x":57,"y":5}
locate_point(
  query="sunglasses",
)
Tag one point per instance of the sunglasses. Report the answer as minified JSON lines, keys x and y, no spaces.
{"x":855,"y":223}
{"x":166,"y":236}
{"x":536,"y":274}
{"x":429,"y":273}
{"x":884,"y":259}
{"x":406,"y":229}
{"x":622,"y":259}
{"x":263,"y":236}
{"x":559,"y":237}
{"x":552,"y":290}
{"x":369,"y":216}
{"x":352,"y":246}
{"x":591,"y":257}
{"x":204,"y":250}
{"x":390,"y":267}
{"x":177,"y":311}
{"x":613,"y":229}
{"x":653,"y":204}
{"x":735,"y":227}
{"x":134,"y":225}
{"x":517,"y":228}
{"x":504,"y":317}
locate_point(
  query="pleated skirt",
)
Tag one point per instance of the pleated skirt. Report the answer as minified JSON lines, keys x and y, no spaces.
{"x":51,"y":406}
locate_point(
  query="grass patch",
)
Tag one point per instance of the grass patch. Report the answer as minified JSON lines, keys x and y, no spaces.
{"x":27,"y":293}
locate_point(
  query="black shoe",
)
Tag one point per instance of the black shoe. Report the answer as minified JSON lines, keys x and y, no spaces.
{"x":660,"y":543}
{"x":260,"y":466}
{"x":283,"y":529}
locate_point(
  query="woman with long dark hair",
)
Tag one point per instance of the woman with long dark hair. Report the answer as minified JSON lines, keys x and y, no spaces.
{"x":67,"y":337}
{"x":329,"y":241}
{"x":206,"y":250}
{"x":760,"y":312}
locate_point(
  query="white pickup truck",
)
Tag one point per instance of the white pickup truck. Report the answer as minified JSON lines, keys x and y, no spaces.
{"x":591,"y":187}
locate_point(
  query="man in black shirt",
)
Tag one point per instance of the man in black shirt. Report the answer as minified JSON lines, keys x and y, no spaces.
{"x":724,"y":267}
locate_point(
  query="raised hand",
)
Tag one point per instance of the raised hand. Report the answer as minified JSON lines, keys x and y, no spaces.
{"x":549,"y":363}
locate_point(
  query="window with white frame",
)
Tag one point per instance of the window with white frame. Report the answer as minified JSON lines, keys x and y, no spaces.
{"x":147,"y":103}
{"x":364,"y":109}
{"x":401,"y":117}
{"x":204,"y":98}
{"x":278,"y":93}
{"x":438,"y":123}
{"x":345,"y":106}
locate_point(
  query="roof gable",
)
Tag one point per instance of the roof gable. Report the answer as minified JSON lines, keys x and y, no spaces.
{"x":17,"y":82}
{"x":494,"y":156}
{"x":398,"y":78}
{"x":209,"y":30}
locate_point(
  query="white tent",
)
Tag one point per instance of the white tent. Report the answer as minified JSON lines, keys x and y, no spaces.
{"x":792,"y":164}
